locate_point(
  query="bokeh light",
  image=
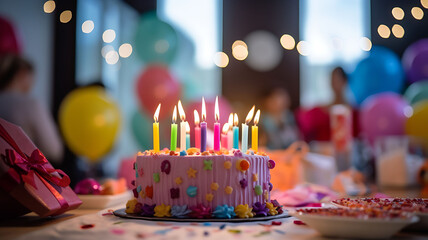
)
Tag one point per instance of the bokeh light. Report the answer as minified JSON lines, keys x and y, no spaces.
{"x":408,"y":111}
{"x":239,"y":50}
{"x":383,"y":31}
{"x":221,"y":59}
{"x":125,"y":50}
{"x":49,"y":6}
{"x":65,"y":16}
{"x":398,"y":13}
{"x":398,"y":31}
{"x":161,"y":46}
{"x":417,"y":13}
{"x":109,"y":35}
{"x":287,"y":41}
{"x":106,"y":49}
{"x":87,"y":26}
{"x":424,"y":3}
{"x":303,"y":48}
{"x":112,"y":57}
{"x":366,"y":44}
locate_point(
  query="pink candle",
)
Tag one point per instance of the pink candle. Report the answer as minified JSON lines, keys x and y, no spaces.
{"x":217,"y":127}
{"x":197,"y":131}
{"x":224,"y":137}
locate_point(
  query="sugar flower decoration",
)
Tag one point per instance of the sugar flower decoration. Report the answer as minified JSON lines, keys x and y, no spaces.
{"x":272,"y":209}
{"x":227,"y":164}
{"x":243,"y":211}
{"x":180,"y":211}
{"x":224,"y":211}
{"x":166,"y":166}
{"x":214,"y":186}
{"x":148,"y":210}
{"x":209,"y":197}
{"x":244,"y":183}
{"x":191,"y":173}
{"x":208,"y":165}
{"x":260,"y":209}
{"x":200,"y":211}
{"x":130,"y":205}
{"x":237,"y":153}
{"x":162,"y":211}
{"x":228,"y":190}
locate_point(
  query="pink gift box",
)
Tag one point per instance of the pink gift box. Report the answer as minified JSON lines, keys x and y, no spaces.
{"x":28,"y":182}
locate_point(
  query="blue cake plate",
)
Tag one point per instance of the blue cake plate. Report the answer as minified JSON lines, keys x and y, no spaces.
{"x":121,"y":213}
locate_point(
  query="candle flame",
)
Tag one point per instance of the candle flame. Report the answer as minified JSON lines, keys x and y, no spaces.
{"x":225,"y":128}
{"x":235,"y":120}
{"x":174,"y":114}
{"x":217,"y":112}
{"x":250,"y":115}
{"x":181,"y":111}
{"x":230,"y":121}
{"x":156,"y":116}
{"x":195,"y":112}
{"x":204,"y":110}
{"x":187,"y":128}
{"x":256,"y":118}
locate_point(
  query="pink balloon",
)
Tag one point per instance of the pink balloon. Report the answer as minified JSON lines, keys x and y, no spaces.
{"x":224,"y":107}
{"x":383,"y":114}
{"x":156,"y":85}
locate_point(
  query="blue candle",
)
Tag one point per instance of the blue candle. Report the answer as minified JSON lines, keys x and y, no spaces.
{"x":236,"y":137}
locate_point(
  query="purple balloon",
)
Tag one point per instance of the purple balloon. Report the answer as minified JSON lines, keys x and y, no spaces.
{"x":88,"y":186}
{"x":415,"y":61}
{"x":383,"y":114}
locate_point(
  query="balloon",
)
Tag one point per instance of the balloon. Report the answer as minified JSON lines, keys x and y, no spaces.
{"x":224,"y":107}
{"x":416,"y":125}
{"x":417,"y":92}
{"x":8,"y":40}
{"x":89,"y":120}
{"x":156,"y":41}
{"x":156,"y":85}
{"x":415,"y":61}
{"x":383,"y":114}
{"x":380,"y":72}
{"x":142,"y":130}
{"x":88,"y":186}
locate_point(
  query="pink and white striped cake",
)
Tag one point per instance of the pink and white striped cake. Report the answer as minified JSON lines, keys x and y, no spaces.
{"x":209,"y":181}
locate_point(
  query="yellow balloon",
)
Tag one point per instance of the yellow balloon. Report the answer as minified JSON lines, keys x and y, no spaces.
{"x":416,"y":125}
{"x":89,"y":120}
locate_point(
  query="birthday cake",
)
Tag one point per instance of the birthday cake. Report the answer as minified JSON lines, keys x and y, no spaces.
{"x":191,"y":184}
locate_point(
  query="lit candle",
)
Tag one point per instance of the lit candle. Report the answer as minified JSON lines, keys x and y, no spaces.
{"x":235,"y":132}
{"x":174,"y":130}
{"x":230,"y":133}
{"x":182,"y":126}
{"x":187,"y":135}
{"x":204,"y":127}
{"x":156,"y":130}
{"x":244,"y":144}
{"x":197,"y":130}
{"x":224,"y":136}
{"x":255,"y":132}
{"x":216,"y":127}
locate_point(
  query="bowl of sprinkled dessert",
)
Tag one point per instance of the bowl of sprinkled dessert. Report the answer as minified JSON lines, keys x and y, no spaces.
{"x":355,"y":223}
{"x":417,"y":206}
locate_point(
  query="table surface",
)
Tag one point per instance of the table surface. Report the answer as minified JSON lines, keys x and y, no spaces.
{"x":32,"y":224}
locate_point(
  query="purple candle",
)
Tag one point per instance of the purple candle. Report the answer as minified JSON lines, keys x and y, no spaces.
{"x":216,"y":127}
{"x":203,"y":127}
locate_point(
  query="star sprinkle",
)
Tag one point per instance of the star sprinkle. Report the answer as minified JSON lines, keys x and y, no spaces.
{"x":209,"y":197}
{"x":266,"y":194}
{"x":228,"y":190}
{"x":191,"y":173}
{"x":227,"y":165}
{"x":208,"y":165}
{"x":214,"y":186}
{"x":258,"y":190}
{"x":244,"y":183}
{"x":178,"y":180}
{"x":255,"y":177}
{"x":162,"y":211}
{"x":142,"y":194}
{"x":156,"y":177}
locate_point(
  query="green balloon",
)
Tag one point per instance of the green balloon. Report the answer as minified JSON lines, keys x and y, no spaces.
{"x":417,"y":92}
{"x":156,"y":41}
{"x":141,"y":129}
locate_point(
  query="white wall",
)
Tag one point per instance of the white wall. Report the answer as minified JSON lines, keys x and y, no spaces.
{"x":34,"y":28}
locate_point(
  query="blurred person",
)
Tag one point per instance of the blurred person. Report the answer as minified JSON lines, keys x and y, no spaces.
{"x":278,"y":123}
{"x":18,"y":107}
{"x":339,"y":82}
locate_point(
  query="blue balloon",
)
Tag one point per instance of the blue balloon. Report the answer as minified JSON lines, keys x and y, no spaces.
{"x":156,"y":41}
{"x":380,"y":72}
{"x":141,"y":129}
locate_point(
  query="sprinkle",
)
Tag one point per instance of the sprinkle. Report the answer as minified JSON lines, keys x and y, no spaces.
{"x":178,"y":180}
{"x":191,"y":173}
{"x":107,"y":214}
{"x":117,"y":231}
{"x":209,"y":197}
{"x":227,"y":165}
{"x":118,"y":222}
{"x":87,"y":226}
{"x":242,"y":165}
{"x":183,"y":153}
{"x":298,"y":222}
{"x":258,"y":190}
{"x":192,"y":191}
{"x":166,"y":166}
{"x":228,"y":190}
{"x":163,"y":231}
{"x":156,"y":177}
{"x":207,"y":224}
{"x":271,"y":164}
{"x":206,"y":233}
{"x":255,"y":177}
{"x":140,"y":172}
{"x":222,"y":226}
{"x":234,"y":231}
{"x":275,"y":223}
{"x":149,"y":191}
{"x":244,"y":183}
{"x":139,"y":188}
{"x":214,"y":186}
{"x":262,"y":233}
{"x":142,"y":194}
{"x":279,"y":231}
{"x":175,"y":193}
{"x":208,"y":165}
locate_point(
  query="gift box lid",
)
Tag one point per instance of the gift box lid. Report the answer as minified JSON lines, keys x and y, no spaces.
{"x":27,"y":176}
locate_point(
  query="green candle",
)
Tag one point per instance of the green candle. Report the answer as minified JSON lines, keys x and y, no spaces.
{"x":174,"y":130}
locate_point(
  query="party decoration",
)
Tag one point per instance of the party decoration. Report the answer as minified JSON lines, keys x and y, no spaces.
{"x":88,"y":186}
{"x":417,"y":92}
{"x":89,"y":120}
{"x":156,"y":85}
{"x":9,"y":43}
{"x":140,"y":125}
{"x":162,"y":211}
{"x":415,"y":61}
{"x":380,"y":72}
{"x":156,"y":41}
{"x":416,"y":125}
{"x":383,"y":115}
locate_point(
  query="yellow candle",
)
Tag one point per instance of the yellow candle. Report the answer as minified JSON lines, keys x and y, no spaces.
{"x":255,"y":133}
{"x":156,"y":130}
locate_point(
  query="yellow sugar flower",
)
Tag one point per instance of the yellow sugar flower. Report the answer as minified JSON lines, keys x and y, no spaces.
{"x":162,"y":211}
{"x":243,"y":211}
{"x":130,"y":205}
{"x":272,"y":209}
